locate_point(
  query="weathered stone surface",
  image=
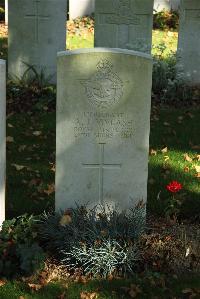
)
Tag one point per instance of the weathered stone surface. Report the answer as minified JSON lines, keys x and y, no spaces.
{"x":189,"y":41}
{"x":37,"y":31}
{"x":125,"y":24}
{"x":2,"y":138}
{"x":103,"y":111}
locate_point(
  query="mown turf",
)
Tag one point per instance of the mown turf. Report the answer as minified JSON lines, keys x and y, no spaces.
{"x":150,"y":286}
{"x":164,"y":42}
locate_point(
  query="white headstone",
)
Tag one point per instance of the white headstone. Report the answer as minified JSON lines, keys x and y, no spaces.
{"x":80,"y":8}
{"x":37,"y":31}
{"x":103,"y":111}
{"x":168,"y":5}
{"x":125,"y":24}
{"x":2,"y":138}
{"x":6,"y":12}
{"x":188,"y":54}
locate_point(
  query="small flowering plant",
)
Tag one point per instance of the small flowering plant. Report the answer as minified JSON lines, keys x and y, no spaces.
{"x":174,"y":202}
{"x":174,"y":187}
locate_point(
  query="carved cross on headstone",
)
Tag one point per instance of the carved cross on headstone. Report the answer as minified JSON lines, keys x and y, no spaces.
{"x":101,"y":166}
{"x":37,"y":17}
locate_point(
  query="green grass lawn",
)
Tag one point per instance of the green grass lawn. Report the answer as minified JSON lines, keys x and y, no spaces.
{"x":167,"y":38}
{"x":151,"y":286}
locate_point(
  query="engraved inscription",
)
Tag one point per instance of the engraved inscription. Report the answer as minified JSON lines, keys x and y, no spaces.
{"x":101,"y":165}
{"x":36,"y":17}
{"x":104,"y":88}
{"x":124,"y":14}
{"x":103,"y":125}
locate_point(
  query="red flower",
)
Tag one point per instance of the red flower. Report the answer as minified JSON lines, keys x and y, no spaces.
{"x":174,"y":187}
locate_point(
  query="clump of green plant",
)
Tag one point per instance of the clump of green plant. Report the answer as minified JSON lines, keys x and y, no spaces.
{"x":165,"y":20}
{"x":19,"y":250}
{"x":100,"y":241}
{"x":169,"y":83}
{"x":2,"y":13}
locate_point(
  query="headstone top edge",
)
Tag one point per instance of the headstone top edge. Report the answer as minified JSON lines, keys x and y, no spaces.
{"x":104,"y":50}
{"x":2,"y":61}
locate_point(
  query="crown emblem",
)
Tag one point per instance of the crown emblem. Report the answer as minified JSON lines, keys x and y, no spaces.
{"x":104,"y":88}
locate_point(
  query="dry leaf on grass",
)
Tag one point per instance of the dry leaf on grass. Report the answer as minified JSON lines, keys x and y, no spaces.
{"x":153,"y":152}
{"x":187,"y":158}
{"x":37,"y":133}
{"x":88,"y":295}
{"x":166,"y":124}
{"x":9,"y":139}
{"x":2,"y":283}
{"x":50,"y":189}
{"x":197,"y":168}
{"x":18,"y":167}
{"x":166,"y":158}
{"x":186,"y":169}
{"x":35,"y":287}
{"x":65,"y":220}
{"x":164,"y":150}
{"x":198,"y":157}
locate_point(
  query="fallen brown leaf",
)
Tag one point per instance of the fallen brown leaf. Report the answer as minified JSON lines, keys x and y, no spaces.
{"x":166,"y":158}
{"x":65,"y":220}
{"x":18,"y":167}
{"x":2,"y":283}
{"x":166,"y":124}
{"x":187,"y":158}
{"x":37,"y":133}
{"x":186,"y":169}
{"x":164,"y":150}
{"x":153,"y":152}
{"x":9,"y":139}
{"x":88,"y":295}
{"x":35,"y":287}
{"x":50,"y":189}
{"x":198,"y":157}
{"x":197,"y":168}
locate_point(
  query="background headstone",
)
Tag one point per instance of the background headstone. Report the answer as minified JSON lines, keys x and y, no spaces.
{"x":125,"y":24}
{"x":37,"y":31}
{"x":167,"y":5}
{"x":6,"y":12}
{"x":188,"y":54}
{"x":2,"y":138}
{"x":103,"y":111}
{"x":80,"y":8}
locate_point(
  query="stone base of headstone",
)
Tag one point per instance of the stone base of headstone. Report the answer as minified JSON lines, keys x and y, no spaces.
{"x":103,"y":123}
{"x":2,"y":138}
